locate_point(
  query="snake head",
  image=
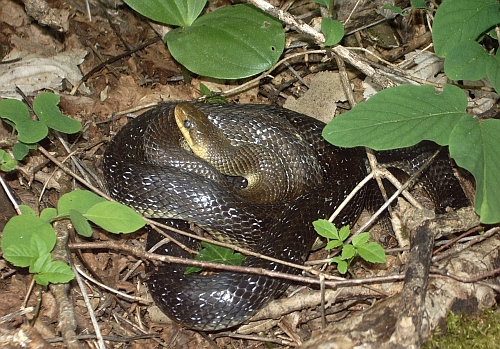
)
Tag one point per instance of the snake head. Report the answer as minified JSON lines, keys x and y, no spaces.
{"x":196,"y":128}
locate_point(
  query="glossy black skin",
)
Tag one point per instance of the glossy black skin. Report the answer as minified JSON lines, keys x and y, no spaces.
{"x":144,"y":167}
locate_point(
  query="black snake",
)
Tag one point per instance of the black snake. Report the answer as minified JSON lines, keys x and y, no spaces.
{"x":148,"y":167}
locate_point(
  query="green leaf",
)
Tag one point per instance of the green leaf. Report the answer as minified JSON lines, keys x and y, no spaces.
{"x":55,"y":272}
{"x":114,"y":217}
{"x":40,"y":263}
{"x":4,"y":156}
{"x":28,"y":130}
{"x":418,"y":4}
{"x":341,"y":264}
{"x":344,"y":232}
{"x":7,"y":164}
{"x":216,"y":254}
{"x":80,"y":223}
{"x":27,"y":210}
{"x":20,"y":149}
{"x":19,"y":230}
{"x":45,"y":107}
{"x":172,"y":12}
{"x":20,"y":255}
{"x":325,"y":3}
{"x":219,"y":254}
{"x":475,"y":146}
{"x":204,"y":90}
{"x":333,"y":244}
{"x":493,"y":34}
{"x":230,"y":43}
{"x":342,"y":267}
{"x":493,"y":71}
{"x":371,"y":252}
{"x":333,"y":30}
{"x":360,"y":239}
{"x":466,"y":61}
{"x":192,"y":269}
{"x":348,"y":252}
{"x":40,"y":246}
{"x":459,"y":21}
{"x":326,"y":229}
{"x":393,"y":8}
{"x":399,"y":117}
{"x":79,"y":200}
{"x":48,"y":214}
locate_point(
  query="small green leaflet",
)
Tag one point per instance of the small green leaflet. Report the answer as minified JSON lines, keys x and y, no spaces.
{"x":326,"y":229}
{"x":333,"y":30}
{"x":7,"y":163}
{"x":371,"y":252}
{"x":55,"y":272}
{"x":45,"y":107}
{"x":80,"y":223}
{"x":216,"y":254}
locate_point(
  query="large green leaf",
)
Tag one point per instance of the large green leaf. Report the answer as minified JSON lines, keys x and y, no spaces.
{"x":20,"y":230}
{"x":493,"y":71}
{"x":172,"y":12}
{"x":399,"y":117}
{"x":475,"y":146}
{"x":459,"y":21}
{"x":114,"y":217}
{"x":20,"y":255}
{"x":466,"y":61}
{"x":79,"y":200}
{"x":230,"y":43}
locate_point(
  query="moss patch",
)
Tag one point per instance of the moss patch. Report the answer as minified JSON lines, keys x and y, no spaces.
{"x":468,"y":331}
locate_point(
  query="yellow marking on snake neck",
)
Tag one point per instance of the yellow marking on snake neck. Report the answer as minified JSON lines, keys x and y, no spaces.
{"x":192,"y":122}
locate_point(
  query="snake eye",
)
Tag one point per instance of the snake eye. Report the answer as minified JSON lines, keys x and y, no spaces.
{"x":187,"y":124}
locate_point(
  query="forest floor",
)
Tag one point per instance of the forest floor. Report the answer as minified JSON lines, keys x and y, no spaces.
{"x":147,"y":74}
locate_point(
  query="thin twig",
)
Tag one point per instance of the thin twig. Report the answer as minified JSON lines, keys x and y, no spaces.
{"x":394,"y":196}
{"x":86,"y":299}
{"x":249,"y":84}
{"x":319,"y":38}
{"x":112,"y":60}
{"x":110,"y":289}
{"x":344,"y":203}
{"x":249,"y":270}
{"x":468,"y":244}
{"x":9,"y":195}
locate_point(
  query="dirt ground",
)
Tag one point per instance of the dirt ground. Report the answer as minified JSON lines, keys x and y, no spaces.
{"x":84,"y":40}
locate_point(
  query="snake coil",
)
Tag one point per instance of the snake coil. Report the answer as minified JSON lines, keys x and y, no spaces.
{"x":147,"y":167}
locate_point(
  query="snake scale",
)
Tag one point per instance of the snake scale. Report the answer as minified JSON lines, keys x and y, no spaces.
{"x":148,"y":167}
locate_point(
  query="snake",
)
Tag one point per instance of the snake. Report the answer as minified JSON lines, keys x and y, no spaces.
{"x":156,"y":165}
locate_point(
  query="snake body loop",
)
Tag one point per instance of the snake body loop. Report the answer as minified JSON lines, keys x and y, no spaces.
{"x":147,"y":167}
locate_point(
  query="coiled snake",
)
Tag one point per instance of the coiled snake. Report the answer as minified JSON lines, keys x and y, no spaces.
{"x":148,"y":166}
